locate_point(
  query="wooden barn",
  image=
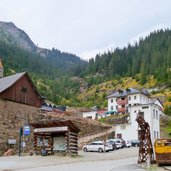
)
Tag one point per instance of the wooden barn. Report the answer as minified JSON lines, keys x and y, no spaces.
{"x":60,"y":136}
{"x":20,"y":88}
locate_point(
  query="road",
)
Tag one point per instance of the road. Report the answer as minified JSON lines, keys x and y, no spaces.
{"x":109,"y":165}
{"x":119,"y":160}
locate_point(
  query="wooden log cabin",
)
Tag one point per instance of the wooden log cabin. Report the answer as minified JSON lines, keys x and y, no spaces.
{"x":56,"y":137}
{"x":20,"y":88}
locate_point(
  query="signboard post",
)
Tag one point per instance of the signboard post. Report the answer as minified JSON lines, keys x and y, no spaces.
{"x":26,"y":130}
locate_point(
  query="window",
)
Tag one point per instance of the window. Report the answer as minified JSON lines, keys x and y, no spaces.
{"x":153,"y":113}
{"x":111,"y":100}
{"x":141,"y":114}
{"x":92,"y":144}
{"x":129,"y":98}
{"x":145,"y":107}
{"x":156,"y":114}
{"x":123,"y":127}
{"x":154,"y":134}
{"x":119,"y":136}
{"x":135,"y":97}
{"x":116,"y":106}
{"x":89,"y":117}
{"x":24,"y":89}
{"x":111,"y":107}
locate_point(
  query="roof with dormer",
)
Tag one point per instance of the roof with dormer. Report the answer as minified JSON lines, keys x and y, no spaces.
{"x":126,"y":92}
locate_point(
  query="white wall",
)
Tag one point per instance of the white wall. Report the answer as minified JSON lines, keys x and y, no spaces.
{"x":112,"y":104}
{"x":138,"y":98}
{"x":130,"y":131}
{"x":152,"y":114}
{"x":133,"y":99}
{"x":91,"y":114}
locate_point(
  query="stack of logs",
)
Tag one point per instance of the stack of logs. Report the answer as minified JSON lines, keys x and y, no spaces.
{"x":38,"y":147}
{"x":71,"y":143}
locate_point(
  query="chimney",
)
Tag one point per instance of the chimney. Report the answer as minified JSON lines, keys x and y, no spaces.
{"x":1,"y":69}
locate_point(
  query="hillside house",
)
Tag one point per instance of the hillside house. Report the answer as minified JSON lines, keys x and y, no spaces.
{"x":94,"y":113}
{"x":20,"y":88}
{"x":101,"y":113}
{"x":20,"y":103}
{"x":89,"y":114}
{"x":131,"y":101}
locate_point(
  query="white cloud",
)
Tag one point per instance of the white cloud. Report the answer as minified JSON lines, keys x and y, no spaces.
{"x":86,"y":27}
{"x":147,"y":32}
{"x":92,"y":53}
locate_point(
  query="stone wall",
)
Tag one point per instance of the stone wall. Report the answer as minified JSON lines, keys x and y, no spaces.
{"x":12,"y":117}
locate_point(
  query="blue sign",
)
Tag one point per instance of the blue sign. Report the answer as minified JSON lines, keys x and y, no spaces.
{"x":26,"y":130}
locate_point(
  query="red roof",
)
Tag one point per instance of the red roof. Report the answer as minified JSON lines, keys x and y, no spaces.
{"x":101,"y":112}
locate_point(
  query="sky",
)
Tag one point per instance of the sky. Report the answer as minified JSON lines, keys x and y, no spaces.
{"x":86,"y":27}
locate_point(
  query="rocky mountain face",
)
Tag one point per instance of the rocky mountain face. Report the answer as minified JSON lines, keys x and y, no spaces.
{"x":10,"y":34}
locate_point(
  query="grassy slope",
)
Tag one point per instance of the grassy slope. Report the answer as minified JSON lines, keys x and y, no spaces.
{"x":107,"y":87}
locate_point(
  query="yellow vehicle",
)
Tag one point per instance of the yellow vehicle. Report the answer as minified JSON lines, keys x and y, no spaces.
{"x":163,"y":151}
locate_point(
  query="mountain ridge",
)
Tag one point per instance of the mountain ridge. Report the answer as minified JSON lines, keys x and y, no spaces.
{"x":15,"y":37}
{"x":20,"y":38}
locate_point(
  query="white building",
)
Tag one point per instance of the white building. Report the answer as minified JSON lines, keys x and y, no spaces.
{"x":131,"y":101}
{"x":94,"y":114}
{"x":90,"y":114}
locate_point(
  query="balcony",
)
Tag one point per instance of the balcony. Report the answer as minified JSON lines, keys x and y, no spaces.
{"x":122,"y":102}
{"x":122,"y":110}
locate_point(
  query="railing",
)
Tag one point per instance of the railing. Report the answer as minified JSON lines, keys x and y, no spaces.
{"x":122,"y":102}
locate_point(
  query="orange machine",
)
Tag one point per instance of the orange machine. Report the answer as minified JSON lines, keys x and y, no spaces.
{"x":163,"y":151}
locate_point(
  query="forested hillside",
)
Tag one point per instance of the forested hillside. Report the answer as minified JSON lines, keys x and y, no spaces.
{"x":65,"y":79}
{"x":147,"y":64}
{"x":149,"y":56}
{"x":52,"y":81}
